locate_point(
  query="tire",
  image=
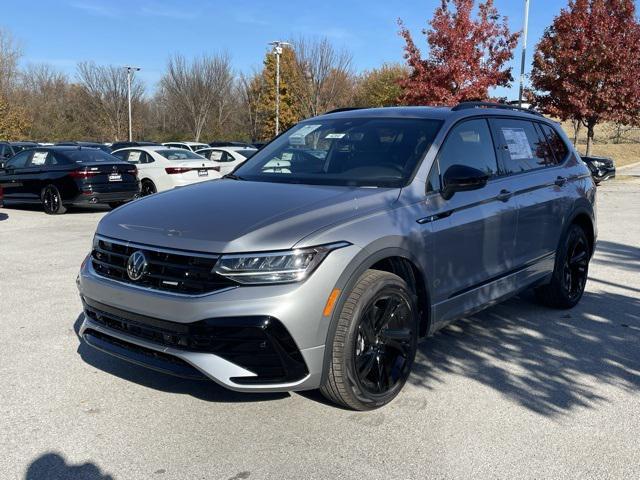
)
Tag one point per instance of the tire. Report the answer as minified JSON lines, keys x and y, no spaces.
{"x":369,"y":365}
{"x":147,"y":188}
{"x":570,"y":272}
{"x":114,"y":205}
{"x":52,"y":201}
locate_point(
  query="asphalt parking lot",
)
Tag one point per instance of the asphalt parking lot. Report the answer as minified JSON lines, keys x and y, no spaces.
{"x":518,"y":391}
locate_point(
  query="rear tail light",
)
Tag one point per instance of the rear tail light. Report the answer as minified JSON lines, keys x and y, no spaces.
{"x":175,"y":170}
{"x":217,"y":169}
{"x":132,"y":171}
{"x":82,"y":174}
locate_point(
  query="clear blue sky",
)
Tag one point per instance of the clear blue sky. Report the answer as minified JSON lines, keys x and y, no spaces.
{"x":145,"y":32}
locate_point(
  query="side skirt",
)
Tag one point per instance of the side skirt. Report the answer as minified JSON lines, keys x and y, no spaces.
{"x":482,"y":296}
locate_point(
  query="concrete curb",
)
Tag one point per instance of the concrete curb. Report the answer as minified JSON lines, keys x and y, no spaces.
{"x":626,"y":167}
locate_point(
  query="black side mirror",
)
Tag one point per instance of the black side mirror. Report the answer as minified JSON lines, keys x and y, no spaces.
{"x":462,"y":178}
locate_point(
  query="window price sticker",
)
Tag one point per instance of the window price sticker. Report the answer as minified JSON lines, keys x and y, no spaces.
{"x":517,"y":143}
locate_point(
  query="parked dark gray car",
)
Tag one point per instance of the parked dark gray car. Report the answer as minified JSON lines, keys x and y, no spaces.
{"x":321,"y":260}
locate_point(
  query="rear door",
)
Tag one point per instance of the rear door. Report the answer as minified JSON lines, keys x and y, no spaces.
{"x":473,"y":232}
{"x":529,"y":162}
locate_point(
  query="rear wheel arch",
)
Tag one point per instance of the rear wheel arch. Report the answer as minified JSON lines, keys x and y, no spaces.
{"x":584,"y":220}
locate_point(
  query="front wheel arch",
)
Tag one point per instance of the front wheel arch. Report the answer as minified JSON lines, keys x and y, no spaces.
{"x":360,"y":264}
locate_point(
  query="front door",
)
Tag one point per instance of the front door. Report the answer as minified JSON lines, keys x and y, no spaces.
{"x":14,"y":177}
{"x":473,"y":232}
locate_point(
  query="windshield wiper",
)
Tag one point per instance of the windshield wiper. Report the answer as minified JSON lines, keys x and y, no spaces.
{"x":233,"y":176}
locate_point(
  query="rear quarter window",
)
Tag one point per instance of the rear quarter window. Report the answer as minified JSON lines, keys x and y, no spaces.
{"x":556,"y":143}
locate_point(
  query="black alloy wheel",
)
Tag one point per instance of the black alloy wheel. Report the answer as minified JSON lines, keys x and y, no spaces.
{"x":571,"y":271}
{"x":374,"y":342}
{"x":147,"y":188}
{"x":52,"y":201}
{"x":383,"y":346}
{"x":575,"y":268}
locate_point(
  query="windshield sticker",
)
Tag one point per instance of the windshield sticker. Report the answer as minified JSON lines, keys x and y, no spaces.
{"x":38,"y":158}
{"x":335,"y":135}
{"x":517,"y":143}
{"x":298,"y":138}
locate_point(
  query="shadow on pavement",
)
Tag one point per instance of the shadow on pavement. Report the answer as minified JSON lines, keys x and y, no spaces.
{"x":548,"y":361}
{"x":625,"y":257}
{"x":71,"y":210}
{"x":202,"y":389}
{"x":3,"y":216}
{"x":53,"y":466}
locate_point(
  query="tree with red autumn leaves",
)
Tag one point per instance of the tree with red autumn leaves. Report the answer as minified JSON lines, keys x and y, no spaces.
{"x":587,"y":65}
{"x":467,"y":56}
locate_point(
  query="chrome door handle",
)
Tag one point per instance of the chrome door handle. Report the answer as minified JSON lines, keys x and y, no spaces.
{"x":504,"y":195}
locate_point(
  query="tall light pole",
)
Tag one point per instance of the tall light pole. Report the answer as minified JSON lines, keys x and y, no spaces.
{"x":129,"y":70}
{"x":524,"y":50}
{"x":277,"y":50}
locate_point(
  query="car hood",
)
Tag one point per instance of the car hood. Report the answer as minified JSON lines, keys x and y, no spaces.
{"x":239,"y":216}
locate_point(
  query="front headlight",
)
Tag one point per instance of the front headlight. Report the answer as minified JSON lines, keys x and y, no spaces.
{"x":274,"y":267}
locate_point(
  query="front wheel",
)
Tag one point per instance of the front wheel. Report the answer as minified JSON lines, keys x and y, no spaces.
{"x":374,"y":344}
{"x":52,"y":201}
{"x":570,"y":273}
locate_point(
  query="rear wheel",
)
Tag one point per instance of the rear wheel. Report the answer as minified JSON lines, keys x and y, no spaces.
{"x":52,"y":200}
{"x":147,"y":188}
{"x":375,"y":343}
{"x":570,"y":273}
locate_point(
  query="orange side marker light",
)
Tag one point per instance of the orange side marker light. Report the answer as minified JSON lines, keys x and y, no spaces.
{"x":331,"y":302}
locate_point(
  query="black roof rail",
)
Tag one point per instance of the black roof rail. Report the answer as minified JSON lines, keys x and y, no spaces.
{"x":503,"y":106}
{"x":343,"y":109}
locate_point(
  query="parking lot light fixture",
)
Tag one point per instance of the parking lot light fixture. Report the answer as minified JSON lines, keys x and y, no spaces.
{"x":277,"y":50}
{"x":129,"y":70}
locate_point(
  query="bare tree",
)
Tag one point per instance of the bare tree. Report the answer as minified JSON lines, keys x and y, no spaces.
{"x":325,"y":75}
{"x":200,"y":89}
{"x":250,"y":91}
{"x":44,"y":94}
{"x":106,"y":89}
{"x":10,"y":53}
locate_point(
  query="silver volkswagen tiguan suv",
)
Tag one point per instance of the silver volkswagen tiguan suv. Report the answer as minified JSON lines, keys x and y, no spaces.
{"x":322,"y":260}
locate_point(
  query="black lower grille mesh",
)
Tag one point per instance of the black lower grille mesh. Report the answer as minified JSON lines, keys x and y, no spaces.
{"x":262,"y":345}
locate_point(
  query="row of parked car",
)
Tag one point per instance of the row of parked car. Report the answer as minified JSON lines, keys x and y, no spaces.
{"x":80,"y":173}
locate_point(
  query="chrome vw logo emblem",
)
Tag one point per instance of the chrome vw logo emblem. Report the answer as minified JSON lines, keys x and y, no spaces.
{"x":137,"y":265}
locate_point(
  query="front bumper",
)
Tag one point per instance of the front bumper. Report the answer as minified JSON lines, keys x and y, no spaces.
{"x":296,"y":307}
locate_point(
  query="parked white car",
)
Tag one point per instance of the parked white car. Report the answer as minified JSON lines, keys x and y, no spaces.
{"x":227,"y":158}
{"x":193,"y":146}
{"x":162,"y":168}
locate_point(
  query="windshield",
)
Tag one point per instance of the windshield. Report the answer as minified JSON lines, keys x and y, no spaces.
{"x":20,"y":148}
{"x":380,"y":152}
{"x":89,"y":155}
{"x":179,"y":154}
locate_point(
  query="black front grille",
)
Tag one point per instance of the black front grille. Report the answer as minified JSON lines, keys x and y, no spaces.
{"x":168,"y":271}
{"x":260,"y":344}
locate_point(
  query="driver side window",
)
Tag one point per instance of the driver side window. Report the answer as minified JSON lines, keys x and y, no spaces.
{"x":468,"y":143}
{"x":19,"y":160}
